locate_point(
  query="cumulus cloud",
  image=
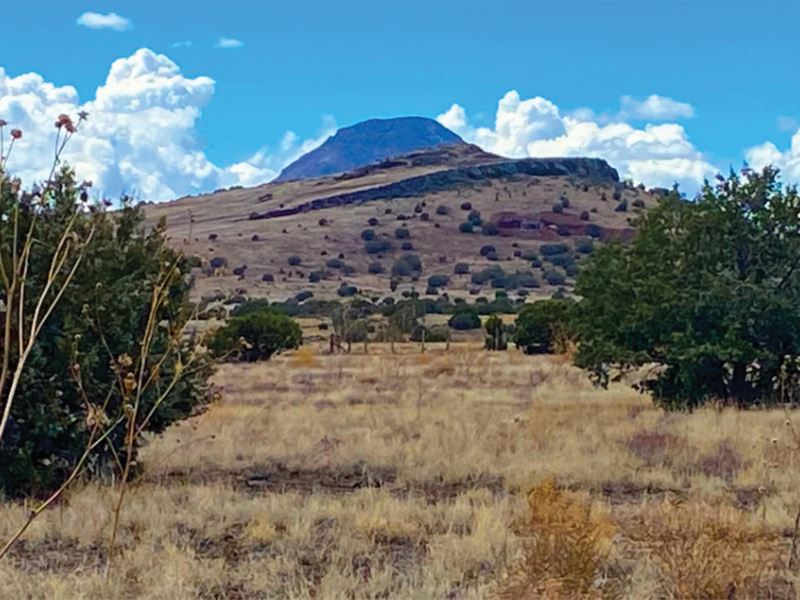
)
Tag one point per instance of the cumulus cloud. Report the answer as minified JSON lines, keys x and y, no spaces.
{"x":655,"y":108}
{"x":788,"y":161}
{"x":141,"y":134}
{"x":111,"y":20}
{"x":225,"y":42}
{"x":657,"y":154}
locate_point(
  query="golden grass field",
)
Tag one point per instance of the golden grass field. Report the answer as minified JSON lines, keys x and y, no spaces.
{"x":444,"y":475}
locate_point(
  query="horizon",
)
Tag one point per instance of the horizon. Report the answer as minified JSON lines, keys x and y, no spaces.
{"x":184,"y":103}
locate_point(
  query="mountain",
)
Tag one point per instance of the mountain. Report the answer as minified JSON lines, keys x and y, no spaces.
{"x":369,"y":142}
{"x":478,"y":220}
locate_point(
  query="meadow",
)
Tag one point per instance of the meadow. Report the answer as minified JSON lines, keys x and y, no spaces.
{"x":449,"y":474}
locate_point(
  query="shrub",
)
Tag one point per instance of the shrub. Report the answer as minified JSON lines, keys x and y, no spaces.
{"x":571,"y":270}
{"x":294,"y":260}
{"x":466,"y":206}
{"x":585,"y":215}
{"x":529,"y":255}
{"x":372,"y":222}
{"x":406,"y":246}
{"x":489,"y":229}
{"x":425,"y":217}
{"x":584,"y":247}
{"x":496,"y":339}
{"x":437,"y":281}
{"x":555,"y":278}
{"x":437,"y":333}
{"x":564,"y":201}
{"x":401,"y":233}
{"x":486,"y":275}
{"x":566,"y":544}
{"x":375,"y":268}
{"x":268,"y":277}
{"x":377,"y":246}
{"x":442,"y":210}
{"x":367,"y":234}
{"x":461,"y":269}
{"x":536,"y":263}
{"x":638,"y":203}
{"x":486,"y":249}
{"x":464,"y":319}
{"x":315,"y":276}
{"x":622,"y":206}
{"x":593,"y":230}
{"x":552,"y":249}
{"x":617,"y":195}
{"x":334,"y":263}
{"x":558,"y":207}
{"x":408,"y":265}
{"x":304,"y":295}
{"x":465,"y":228}
{"x":474,"y":217}
{"x":544,"y":326}
{"x":256,"y":336}
{"x":346,"y":291}
{"x":101,"y":317}
{"x":561,"y":260}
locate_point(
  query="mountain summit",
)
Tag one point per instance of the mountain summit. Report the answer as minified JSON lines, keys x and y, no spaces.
{"x":367,"y":142}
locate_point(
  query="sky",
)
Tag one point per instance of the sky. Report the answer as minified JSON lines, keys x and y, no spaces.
{"x":187,"y":97}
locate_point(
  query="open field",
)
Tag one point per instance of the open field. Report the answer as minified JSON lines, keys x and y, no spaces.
{"x":406,"y":476}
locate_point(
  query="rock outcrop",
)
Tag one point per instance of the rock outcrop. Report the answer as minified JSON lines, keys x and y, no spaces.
{"x":592,"y":170}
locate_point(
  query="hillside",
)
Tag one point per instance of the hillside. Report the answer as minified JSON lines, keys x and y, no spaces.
{"x":369,"y":142}
{"x":354,"y":229}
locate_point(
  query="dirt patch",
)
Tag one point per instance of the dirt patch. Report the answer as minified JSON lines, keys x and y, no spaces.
{"x":57,"y":555}
{"x":280,"y":478}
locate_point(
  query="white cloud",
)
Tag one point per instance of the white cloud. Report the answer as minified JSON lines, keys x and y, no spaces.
{"x":655,"y":108}
{"x":182,"y":44}
{"x":657,"y":155}
{"x":225,"y":42}
{"x":140,"y":137}
{"x":788,"y":161}
{"x":111,"y":20}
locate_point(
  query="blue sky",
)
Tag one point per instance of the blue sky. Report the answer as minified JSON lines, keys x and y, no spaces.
{"x":301,"y":64}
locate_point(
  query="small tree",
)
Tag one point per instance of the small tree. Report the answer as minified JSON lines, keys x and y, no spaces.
{"x":496,"y":339}
{"x":256,"y":336}
{"x":544,"y":326}
{"x":709,"y":290}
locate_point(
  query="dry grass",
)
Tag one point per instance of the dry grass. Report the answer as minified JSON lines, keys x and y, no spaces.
{"x":408,"y":476}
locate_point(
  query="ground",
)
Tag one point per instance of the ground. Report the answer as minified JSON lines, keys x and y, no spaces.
{"x":407,"y":476}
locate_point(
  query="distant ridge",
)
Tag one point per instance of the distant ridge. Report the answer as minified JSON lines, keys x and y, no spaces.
{"x":368,"y":142}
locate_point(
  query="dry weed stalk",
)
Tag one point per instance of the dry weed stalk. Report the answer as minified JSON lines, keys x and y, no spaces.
{"x":567,"y":541}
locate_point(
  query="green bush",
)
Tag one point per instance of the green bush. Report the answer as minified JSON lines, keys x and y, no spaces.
{"x":466,"y":228}
{"x":92,"y":336}
{"x":553,"y":249}
{"x":437,"y":281}
{"x":368,"y":235}
{"x":542,"y":325}
{"x":466,"y":318}
{"x":461,"y":269}
{"x":255,"y":336}
{"x":709,"y":291}
{"x":377,"y":246}
{"x":495,"y":338}
{"x":408,"y":265}
{"x":294,"y":260}
{"x":401,"y":233}
{"x":437,"y":333}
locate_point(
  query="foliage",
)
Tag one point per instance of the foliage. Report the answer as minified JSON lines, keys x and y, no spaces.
{"x":495,"y":331}
{"x":709,"y":290}
{"x":408,"y":265}
{"x":256,"y":336}
{"x":92,"y":340}
{"x":544,"y":326}
{"x":377,"y":246}
{"x":465,"y":318}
